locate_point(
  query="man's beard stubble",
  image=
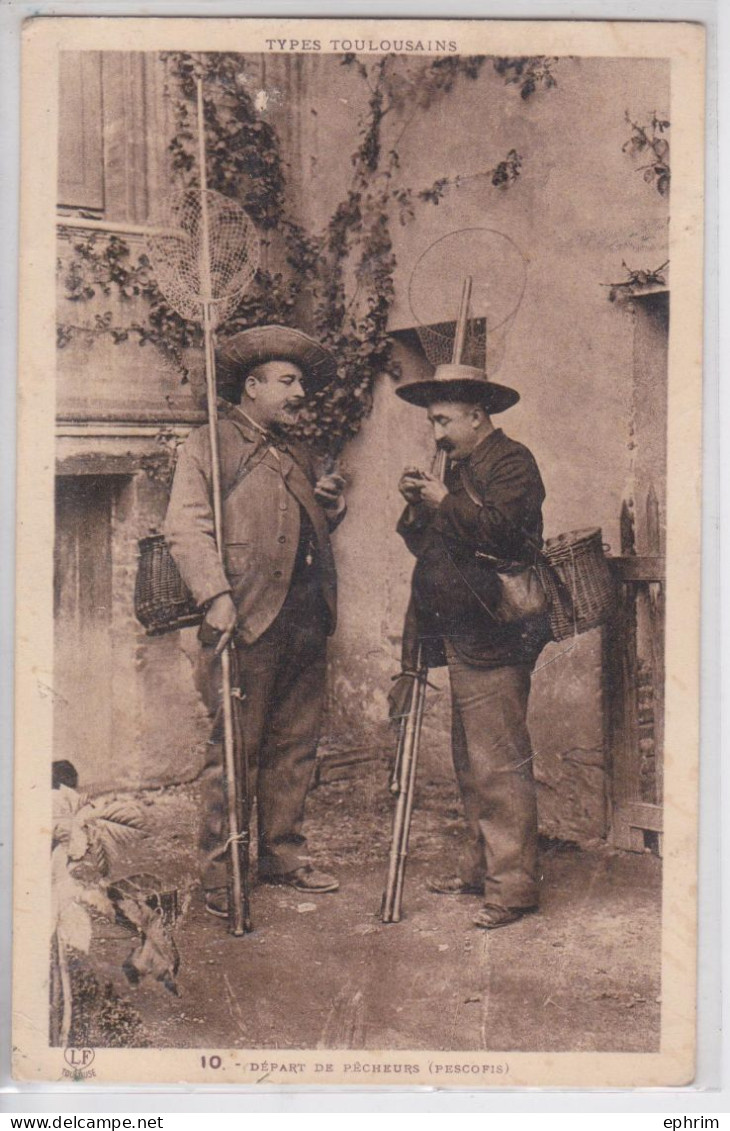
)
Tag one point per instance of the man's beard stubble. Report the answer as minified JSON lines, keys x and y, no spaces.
{"x":289,"y":418}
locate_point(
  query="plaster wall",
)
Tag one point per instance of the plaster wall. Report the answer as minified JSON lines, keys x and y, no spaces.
{"x":578,"y":209}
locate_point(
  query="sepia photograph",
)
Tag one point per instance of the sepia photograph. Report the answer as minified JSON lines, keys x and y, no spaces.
{"x":358,"y":515}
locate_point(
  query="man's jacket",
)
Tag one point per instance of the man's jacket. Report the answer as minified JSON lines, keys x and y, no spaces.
{"x":494,"y":507}
{"x":264,"y":484}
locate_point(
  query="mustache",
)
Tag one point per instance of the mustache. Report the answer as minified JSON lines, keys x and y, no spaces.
{"x":445,"y":446}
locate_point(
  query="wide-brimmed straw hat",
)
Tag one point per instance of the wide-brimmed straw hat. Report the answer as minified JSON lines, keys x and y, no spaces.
{"x":460,"y":383}
{"x":249,"y":348}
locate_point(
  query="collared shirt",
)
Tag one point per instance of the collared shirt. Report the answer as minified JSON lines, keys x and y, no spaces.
{"x":237,"y":410}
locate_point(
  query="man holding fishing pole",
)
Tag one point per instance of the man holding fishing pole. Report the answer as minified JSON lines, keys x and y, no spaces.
{"x":273,"y":595}
{"x":471,"y":532}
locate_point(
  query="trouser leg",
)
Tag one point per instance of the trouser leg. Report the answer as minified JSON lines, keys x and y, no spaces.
{"x":212,"y":834}
{"x":474,"y":866}
{"x":282,"y":677}
{"x":257,"y":671}
{"x":493,"y":763}
{"x":287,"y":760}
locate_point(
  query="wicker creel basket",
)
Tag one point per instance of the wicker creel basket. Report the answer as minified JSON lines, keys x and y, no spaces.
{"x":162,"y":601}
{"x":578,"y":582}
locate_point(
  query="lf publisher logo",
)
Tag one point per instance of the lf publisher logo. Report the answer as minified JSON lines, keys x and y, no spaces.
{"x":78,"y":1059}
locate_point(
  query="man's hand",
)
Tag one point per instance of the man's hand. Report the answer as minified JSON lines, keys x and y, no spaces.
{"x":432,"y":490}
{"x":410,"y":485}
{"x":328,"y":491}
{"x":221,"y":618}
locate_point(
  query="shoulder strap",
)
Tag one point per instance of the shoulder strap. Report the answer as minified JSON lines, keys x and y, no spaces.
{"x":540,"y":555}
{"x":468,"y":485}
{"x":246,"y":465}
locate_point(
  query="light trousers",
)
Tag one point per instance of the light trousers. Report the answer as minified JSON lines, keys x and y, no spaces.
{"x":492,"y":755}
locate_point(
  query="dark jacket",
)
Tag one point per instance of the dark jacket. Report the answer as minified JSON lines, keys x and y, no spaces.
{"x":494,"y":507}
{"x":261,"y":522}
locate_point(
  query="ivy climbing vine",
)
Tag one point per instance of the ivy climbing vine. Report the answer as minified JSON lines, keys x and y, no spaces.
{"x":107,"y":266}
{"x":650,"y":141}
{"x":528,"y":72}
{"x":338,"y":282}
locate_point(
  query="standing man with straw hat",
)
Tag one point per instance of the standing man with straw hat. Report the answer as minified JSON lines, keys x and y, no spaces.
{"x":484,"y":520}
{"x":274,"y":594}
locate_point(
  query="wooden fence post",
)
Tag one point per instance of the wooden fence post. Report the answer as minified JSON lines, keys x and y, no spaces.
{"x":639,"y":580}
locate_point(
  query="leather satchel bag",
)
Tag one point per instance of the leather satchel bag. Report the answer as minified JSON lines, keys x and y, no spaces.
{"x":521,"y":594}
{"x":570,"y":580}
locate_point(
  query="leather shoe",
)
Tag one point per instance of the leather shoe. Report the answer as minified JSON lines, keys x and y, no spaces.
{"x":453,"y":885}
{"x":305,"y":879}
{"x":491,"y":916}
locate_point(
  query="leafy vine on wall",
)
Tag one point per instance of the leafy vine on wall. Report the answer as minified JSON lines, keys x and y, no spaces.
{"x":102,"y":265}
{"x":650,"y":142}
{"x":528,"y":72}
{"x":339,"y":282}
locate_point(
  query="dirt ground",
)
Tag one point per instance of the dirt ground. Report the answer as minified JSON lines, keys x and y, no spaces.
{"x":324,"y":972}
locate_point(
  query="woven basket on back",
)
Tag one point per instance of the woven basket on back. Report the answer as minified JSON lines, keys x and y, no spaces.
{"x":162,"y":601}
{"x":577,"y":581}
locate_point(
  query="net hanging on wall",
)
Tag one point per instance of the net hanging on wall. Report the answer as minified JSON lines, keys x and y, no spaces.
{"x":438,"y":341}
{"x":498,"y":271}
{"x":185,"y":274}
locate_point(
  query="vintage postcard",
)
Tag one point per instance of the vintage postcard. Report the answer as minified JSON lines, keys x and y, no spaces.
{"x":358,"y":552}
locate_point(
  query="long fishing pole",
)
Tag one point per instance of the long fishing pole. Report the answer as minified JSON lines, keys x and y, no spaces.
{"x":238,"y":913}
{"x":409,"y":741}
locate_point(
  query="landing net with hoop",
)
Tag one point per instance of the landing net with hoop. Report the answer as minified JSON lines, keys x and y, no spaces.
{"x":183,"y":270}
{"x":498,"y":271}
{"x":204,"y":251}
{"x":203,"y":272}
